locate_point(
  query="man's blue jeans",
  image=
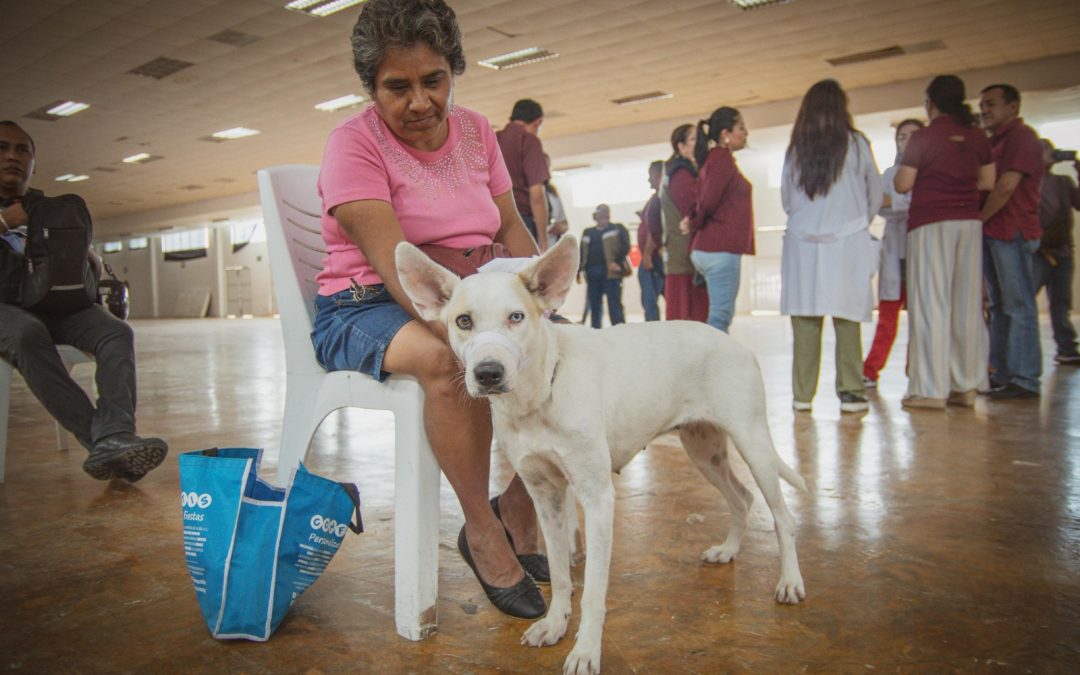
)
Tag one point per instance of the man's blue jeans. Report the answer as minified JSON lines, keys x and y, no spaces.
{"x":1058,"y":280}
{"x":721,"y":272}
{"x":598,"y":286}
{"x":652,"y":287}
{"x":1015,"y":353}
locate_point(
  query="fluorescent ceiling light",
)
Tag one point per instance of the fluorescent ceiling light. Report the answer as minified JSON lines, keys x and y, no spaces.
{"x":321,"y":7}
{"x":65,"y":177}
{"x":67,"y":108}
{"x":564,"y":170}
{"x":643,"y":98}
{"x":518,"y":58}
{"x":340,"y":102}
{"x":76,"y":179}
{"x":754,"y":4}
{"x":234,"y":133}
{"x":135,"y":159}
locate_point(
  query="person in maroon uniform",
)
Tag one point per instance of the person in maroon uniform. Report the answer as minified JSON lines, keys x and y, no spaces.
{"x":1011,"y":234}
{"x":721,"y":221}
{"x":683,"y":299}
{"x":944,"y":166}
{"x":524,"y":156}
{"x":650,"y":242}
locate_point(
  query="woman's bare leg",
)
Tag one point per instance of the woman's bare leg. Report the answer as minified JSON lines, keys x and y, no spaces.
{"x":459,"y":429}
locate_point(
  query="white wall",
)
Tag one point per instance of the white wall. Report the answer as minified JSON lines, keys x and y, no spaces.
{"x":155,"y":283}
{"x":134,"y":267}
{"x":255,"y":257}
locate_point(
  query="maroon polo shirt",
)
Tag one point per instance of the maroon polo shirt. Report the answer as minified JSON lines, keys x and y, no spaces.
{"x":651,"y":227}
{"x":948,"y":156}
{"x":1017,"y":148}
{"x":722,"y":218}
{"x":524,"y":157}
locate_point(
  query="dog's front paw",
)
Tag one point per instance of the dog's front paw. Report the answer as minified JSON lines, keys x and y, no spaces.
{"x":790,"y":591}
{"x":724,"y":553}
{"x":545,"y":632}
{"x":582,"y":661}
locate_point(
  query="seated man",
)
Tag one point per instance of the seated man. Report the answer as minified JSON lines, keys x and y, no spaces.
{"x":28,"y":342}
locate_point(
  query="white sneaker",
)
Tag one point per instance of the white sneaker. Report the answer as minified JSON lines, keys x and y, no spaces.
{"x":850,"y":402}
{"x":868,"y":383}
{"x":802,"y":406}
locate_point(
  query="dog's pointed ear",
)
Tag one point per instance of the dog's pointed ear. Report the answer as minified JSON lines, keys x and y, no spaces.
{"x":428,"y":284}
{"x":552,"y":275}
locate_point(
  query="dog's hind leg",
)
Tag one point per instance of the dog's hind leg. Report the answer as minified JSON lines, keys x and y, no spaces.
{"x":707,"y":447}
{"x":549,"y":491}
{"x":755,"y":445}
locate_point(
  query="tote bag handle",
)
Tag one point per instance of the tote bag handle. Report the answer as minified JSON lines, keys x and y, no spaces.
{"x":354,"y":495}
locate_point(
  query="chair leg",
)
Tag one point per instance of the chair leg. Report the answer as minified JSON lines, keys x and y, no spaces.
{"x":62,"y":438}
{"x":416,"y":527}
{"x":299,"y":423}
{"x":5,"y":409}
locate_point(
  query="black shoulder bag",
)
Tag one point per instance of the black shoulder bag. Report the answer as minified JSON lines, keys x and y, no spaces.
{"x":59,"y":278}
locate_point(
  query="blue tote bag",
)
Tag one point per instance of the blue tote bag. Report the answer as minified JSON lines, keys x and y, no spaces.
{"x":253,"y":548}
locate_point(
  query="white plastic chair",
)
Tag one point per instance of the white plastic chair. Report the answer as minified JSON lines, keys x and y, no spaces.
{"x":291,"y":208}
{"x":71,"y":358}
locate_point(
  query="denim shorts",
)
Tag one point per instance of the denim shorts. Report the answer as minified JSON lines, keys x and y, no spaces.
{"x":351,"y":334}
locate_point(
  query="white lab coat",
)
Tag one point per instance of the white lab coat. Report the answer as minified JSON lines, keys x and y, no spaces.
{"x":894,"y":242}
{"x":829,"y":255}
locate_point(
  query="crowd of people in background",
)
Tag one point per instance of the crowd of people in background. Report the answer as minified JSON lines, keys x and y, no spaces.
{"x":976,"y":224}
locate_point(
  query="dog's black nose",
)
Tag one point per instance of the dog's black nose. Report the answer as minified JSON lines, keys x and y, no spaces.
{"x":489,"y":374}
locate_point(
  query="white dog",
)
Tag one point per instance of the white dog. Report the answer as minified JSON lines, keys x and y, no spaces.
{"x":571,"y":404}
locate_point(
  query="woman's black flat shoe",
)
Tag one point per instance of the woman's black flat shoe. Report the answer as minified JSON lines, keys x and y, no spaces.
{"x":536,"y":564}
{"x":522,"y":600}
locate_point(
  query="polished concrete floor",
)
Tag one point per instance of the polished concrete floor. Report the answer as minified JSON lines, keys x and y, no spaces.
{"x":929,"y":541}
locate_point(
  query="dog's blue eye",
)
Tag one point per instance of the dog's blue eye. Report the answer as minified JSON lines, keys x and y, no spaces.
{"x":464,"y":322}
{"x":517,"y":317}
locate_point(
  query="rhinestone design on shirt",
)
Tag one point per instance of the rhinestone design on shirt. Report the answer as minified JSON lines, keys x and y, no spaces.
{"x":444,"y":174}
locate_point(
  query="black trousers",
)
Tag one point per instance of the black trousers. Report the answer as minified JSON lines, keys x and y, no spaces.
{"x":28,"y":342}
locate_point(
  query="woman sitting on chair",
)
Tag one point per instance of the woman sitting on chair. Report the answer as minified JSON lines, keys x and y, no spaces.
{"x":415,"y":167}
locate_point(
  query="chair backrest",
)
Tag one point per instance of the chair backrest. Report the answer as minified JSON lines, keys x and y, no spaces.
{"x":291,"y":209}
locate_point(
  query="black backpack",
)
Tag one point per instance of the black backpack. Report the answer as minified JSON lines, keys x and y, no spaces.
{"x":58,"y":277}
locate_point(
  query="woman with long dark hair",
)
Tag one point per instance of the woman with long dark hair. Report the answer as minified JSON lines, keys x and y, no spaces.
{"x":891,"y":287}
{"x":683,"y":299}
{"x":721,"y":221}
{"x":944,"y":167}
{"x":831,"y":190}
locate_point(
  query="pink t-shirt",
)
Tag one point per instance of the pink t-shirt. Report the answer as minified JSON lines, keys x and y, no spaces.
{"x":442,"y":197}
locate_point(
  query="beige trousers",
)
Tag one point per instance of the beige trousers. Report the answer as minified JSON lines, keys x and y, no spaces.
{"x":948,"y":343}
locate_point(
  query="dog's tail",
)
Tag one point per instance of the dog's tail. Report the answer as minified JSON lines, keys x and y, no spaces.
{"x":790,"y":475}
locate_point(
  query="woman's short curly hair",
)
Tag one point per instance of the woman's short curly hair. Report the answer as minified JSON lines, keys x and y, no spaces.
{"x":389,"y":24}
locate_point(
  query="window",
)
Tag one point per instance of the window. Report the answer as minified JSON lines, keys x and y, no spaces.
{"x":138,"y":243}
{"x":185,"y":245}
{"x":243,"y":234}
{"x":112,"y":247}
